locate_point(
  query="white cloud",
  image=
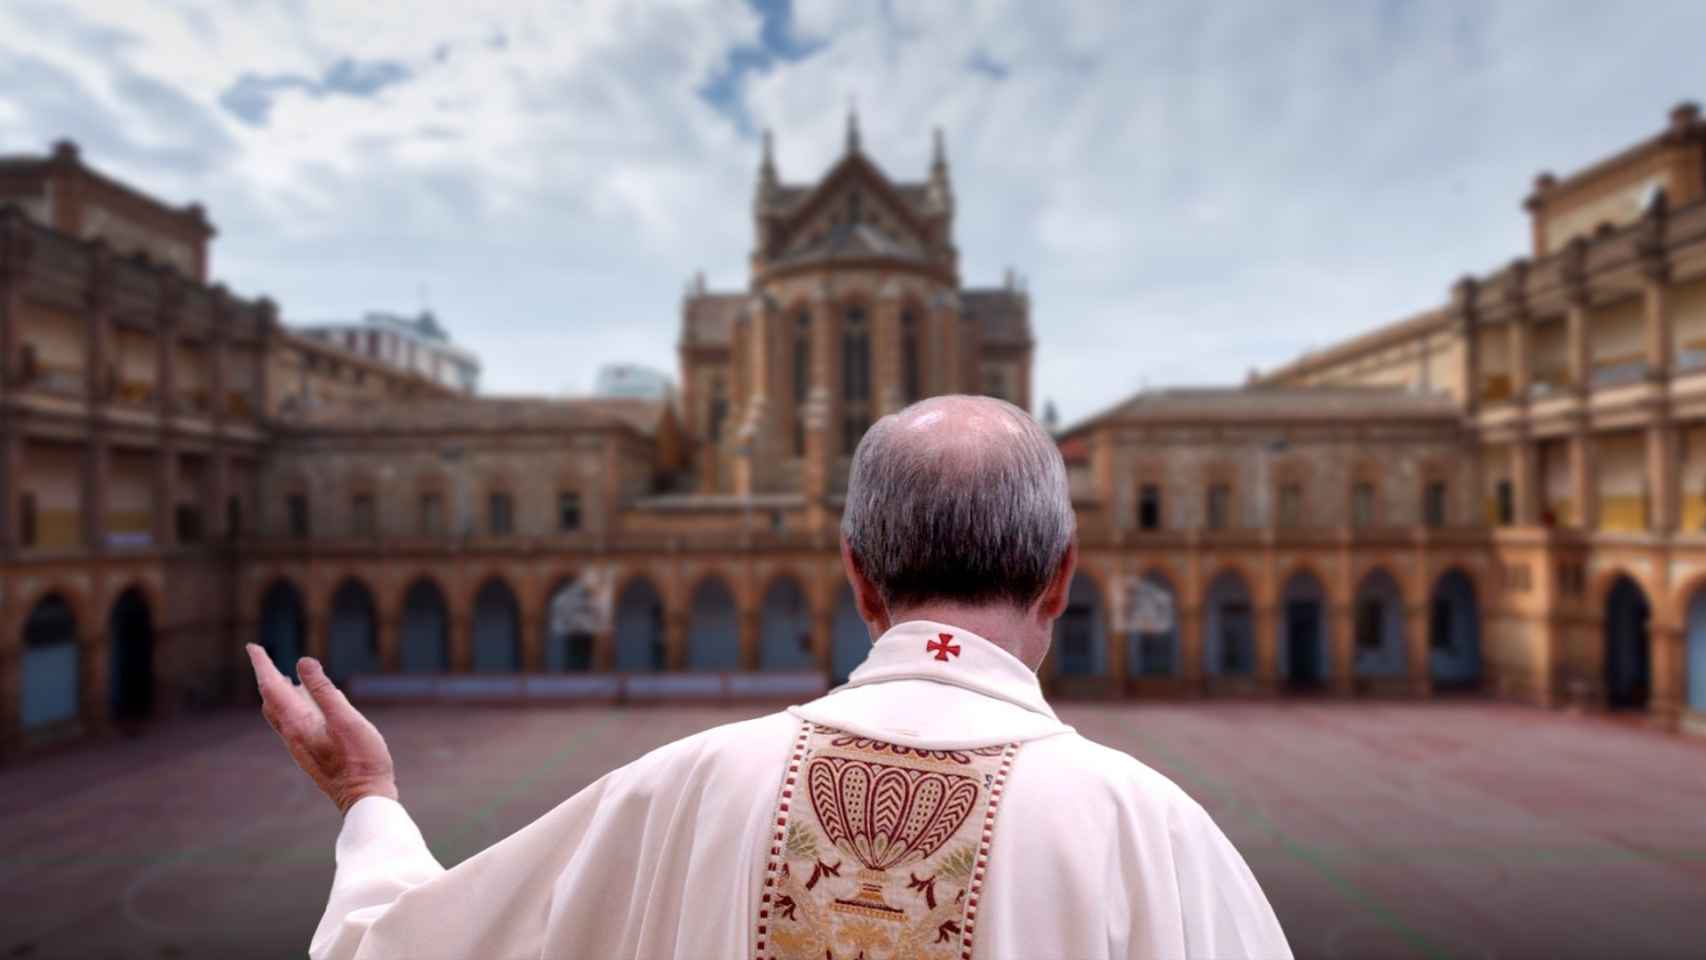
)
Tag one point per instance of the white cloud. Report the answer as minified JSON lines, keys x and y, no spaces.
{"x":1190,"y":191}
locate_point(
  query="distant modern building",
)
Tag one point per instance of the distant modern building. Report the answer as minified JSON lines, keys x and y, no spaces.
{"x":633,"y":380}
{"x":416,"y":344}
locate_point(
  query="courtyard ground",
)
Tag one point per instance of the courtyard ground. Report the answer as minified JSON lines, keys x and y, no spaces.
{"x":1378,"y":830}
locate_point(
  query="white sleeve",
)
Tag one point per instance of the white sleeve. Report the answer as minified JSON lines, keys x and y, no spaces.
{"x":1226,"y":915}
{"x":391,"y":899}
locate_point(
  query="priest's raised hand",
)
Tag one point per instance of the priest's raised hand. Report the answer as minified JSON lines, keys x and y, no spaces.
{"x":339,"y":749}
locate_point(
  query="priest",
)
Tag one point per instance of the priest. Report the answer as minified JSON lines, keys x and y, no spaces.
{"x":932,"y":807}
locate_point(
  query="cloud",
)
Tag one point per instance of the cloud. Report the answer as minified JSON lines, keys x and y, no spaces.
{"x":1191,"y":190}
{"x":251,"y":96}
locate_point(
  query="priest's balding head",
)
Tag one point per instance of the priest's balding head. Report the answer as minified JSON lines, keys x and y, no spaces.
{"x":958,"y":510}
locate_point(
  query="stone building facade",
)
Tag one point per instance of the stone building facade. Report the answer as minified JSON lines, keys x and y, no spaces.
{"x":1481,"y":497}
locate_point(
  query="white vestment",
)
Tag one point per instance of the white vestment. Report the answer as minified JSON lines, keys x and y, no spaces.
{"x":932,"y":807}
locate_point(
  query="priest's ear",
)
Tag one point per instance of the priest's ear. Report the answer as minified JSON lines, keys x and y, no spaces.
{"x":1052,"y":603}
{"x":869,"y":600}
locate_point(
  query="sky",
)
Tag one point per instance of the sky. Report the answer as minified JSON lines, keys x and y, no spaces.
{"x":1190,"y":190}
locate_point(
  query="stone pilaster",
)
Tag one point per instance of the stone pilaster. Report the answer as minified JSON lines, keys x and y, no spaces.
{"x":1464,"y":311}
{"x":1519,"y":328}
{"x":1525,"y":479}
{"x":1266,"y":628}
{"x":15,"y":250}
{"x":675,"y":627}
{"x":1578,"y":346}
{"x":888,"y":394}
{"x":1584,"y":477}
{"x":1662,"y":468}
{"x":1658,"y":329}
{"x":750,"y":624}
{"x":1416,"y":649}
{"x":1341,"y":638}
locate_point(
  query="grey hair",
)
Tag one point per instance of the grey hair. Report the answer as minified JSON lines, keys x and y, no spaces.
{"x":976,"y":510}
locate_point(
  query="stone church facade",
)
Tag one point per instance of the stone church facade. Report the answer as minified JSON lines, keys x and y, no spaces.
{"x":1383,"y":519}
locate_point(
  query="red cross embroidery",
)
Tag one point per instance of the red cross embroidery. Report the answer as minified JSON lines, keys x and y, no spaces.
{"x":943,"y":648}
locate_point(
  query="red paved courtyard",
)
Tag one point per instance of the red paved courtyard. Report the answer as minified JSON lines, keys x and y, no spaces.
{"x":1402,"y":830}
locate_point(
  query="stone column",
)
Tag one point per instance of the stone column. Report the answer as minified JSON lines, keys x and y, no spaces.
{"x":14,"y":266}
{"x":749,"y":639}
{"x":461,"y":625}
{"x":1464,"y":311}
{"x":1662,"y":468}
{"x":1267,"y":646}
{"x":1578,"y":347}
{"x":12,"y":453}
{"x":97,"y":468}
{"x":166,"y":491}
{"x":1525,"y":479}
{"x":1658,"y":330}
{"x":1669,"y":672}
{"x":266,"y":330}
{"x":1520,"y":330}
{"x":1416,"y":659}
{"x":826,"y":371}
{"x":1584,"y":476}
{"x":532,"y":626}
{"x":1190,"y":626}
{"x":1341,"y":639}
{"x":315,"y":642}
{"x":389,"y":630}
{"x":675,"y":624}
{"x":604,"y":650}
{"x":887,"y":393}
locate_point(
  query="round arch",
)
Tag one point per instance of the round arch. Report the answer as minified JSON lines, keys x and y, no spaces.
{"x":639,"y":626}
{"x":1304,"y":660}
{"x":50,"y":664}
{"x":1378,"y":625}
{"x":352,"y":635}
{"x":1081,"y":632}
{"x":1229,"y":641}
{"x":130,"y":646}
{"x":713,"y":627}
{"x":1454,"y":632}
{"x":849,"y":637}
{"x":496,"y":628}
{"x":1628,"y":644}
{"x":785,"y":627}
{"x":424,"y":645}
{"x":283,"y":625}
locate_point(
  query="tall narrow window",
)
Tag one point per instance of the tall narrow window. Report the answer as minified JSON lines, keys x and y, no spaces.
{"x":1219,"y":506}
{"x":296,"y":507}
{"x":855,"y":378}
{"x":909,"y":372}
{"x":233,"y":518}
{"x":568,"y":511}
{"x":1362,"y":504}
{"x":1149,"y":507}
{"x":1433,"y":504}
{"x":501,"y":514}
{"x":802,"y":377}
{"x":186,"y":523}
{"x":27,"y":520}
{"x":432,"y":513}
{"x":719,"y":409}
{"x":1506,"y":503}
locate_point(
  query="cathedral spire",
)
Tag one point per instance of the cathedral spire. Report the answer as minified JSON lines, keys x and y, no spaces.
{"x":852,"y":125}
{"x":938,"y":153}
{"x":767,"y":161}
{"x":938,"y":191}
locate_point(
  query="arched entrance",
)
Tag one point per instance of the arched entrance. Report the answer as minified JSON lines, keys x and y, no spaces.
{"x":352,"y":641}
{"x":1155,"y":653}
{"x":1081,"y":633}
{"x":49,"y":694}
{"x":1695,"y":689}
{"x":639,"y":627}
{"x":496,"y":628}
{"x":568,"y":646}
{"x":425,"y":640}
{"x":1627,"y":616}
{"x":1229,"y":642}
{"x":785,"y":628}
{"x":130,"y":640}
{"x":1454,"y":633}
{"x":1303,"y":656}
{"x":713,"y":629}
{"x":849,"y":638}
{"x":1379,"y":625}
{"x":283,"y":626}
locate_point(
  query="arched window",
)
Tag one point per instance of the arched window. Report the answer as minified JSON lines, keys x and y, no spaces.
{"x":802,"y":377}
{"x":855,"y":377}
{"x":909,"y":374}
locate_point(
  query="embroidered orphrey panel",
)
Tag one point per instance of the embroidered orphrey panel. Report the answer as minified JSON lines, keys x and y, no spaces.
{"x":878,"y":850}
